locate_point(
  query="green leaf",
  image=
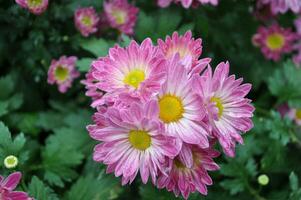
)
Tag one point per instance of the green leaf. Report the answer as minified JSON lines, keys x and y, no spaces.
{"x":84,"y":64}
{"x":234,"y":186}
{"x":294,"y":181}
{"x":98,"y":47}
{"x":90,"y":187}
{"x":40,"y":190}
{"x":285,"y":84}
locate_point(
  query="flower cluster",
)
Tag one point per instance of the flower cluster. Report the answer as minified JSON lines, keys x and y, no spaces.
{"x":118,"y":14}
{"x":187,"y":3}
{"x":8,"y":185}
{"x":297,"y":46}
{"x":62,"y":72}
{"x":36,"y":7}
{"x":160,"y":109}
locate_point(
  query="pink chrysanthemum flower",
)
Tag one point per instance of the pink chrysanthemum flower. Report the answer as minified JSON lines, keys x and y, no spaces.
{"x":8,"y":185}
{"x":63,"y":72}
{"x":136,"y":71}
{"x":86,"y":20}
{"x":186,"y":3}
{"x":189,"y":171}
{"x":295,"y":114}
{"x":181,"y":110}
{"x":36,"y":7}
{"x":132,"y":141}
{"x":187,"y":47}
{"x":228,"y":110}
{"x":274,"y":41}
{"x":121,"y":15}
{"x":282,"y":6}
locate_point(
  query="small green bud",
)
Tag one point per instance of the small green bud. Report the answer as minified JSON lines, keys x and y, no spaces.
{"x":11,"y":162}
{"x":263,"y":179}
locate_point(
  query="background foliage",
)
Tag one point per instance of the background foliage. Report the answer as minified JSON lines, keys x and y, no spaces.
{"x":47,"y":129}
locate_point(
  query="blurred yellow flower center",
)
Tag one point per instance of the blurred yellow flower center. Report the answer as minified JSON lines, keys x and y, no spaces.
{"x":119,"y":16}
{"x":61,"y":73}
{"x":179,"y":164}
{"x":10,"y":161}
{"x":275,"y":41}
{"x":298,"y":114}
{"x":86,"y":21}
{"x":171,"y":108}
{"x":34,"y":3}
{"x":134,"y":78}
{"x":219,"y":105}
{"x":139,"y":139}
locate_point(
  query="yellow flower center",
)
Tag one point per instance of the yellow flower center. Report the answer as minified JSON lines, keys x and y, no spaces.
{"x":86,"y":21}
{"x":139,"y":139}
{"x":34,"y":3}
{"x":275,"y":41}
{"x":219,"y":105}
{"x":171,"y":108}
{"x":134,"y":78}
{"x":61,"y":73}
{"x":298,"y":114}
{"x":119,"y":16}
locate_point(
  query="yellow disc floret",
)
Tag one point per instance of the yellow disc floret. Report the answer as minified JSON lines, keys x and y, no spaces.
{"x":140,"y":139}
{"x":134,"y":78}
{"x":219,"y":105}
{"x":61,"y":73}
{"x":171,"y":108}
{"x":275,"y":41}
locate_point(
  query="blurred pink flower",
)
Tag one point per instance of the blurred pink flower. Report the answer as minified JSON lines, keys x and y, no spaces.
{"x":186,"y":3}
{"x":63,"y":72}
{"x":274,"y":41}
{"x":132,"y":141}
{"x":121,"y":15}
{"x":8,"y":185}
{"x":86,"y":20}
{"x":229,"y":112}
{"x":187,"y":47}
{"x":36,"y":7}
{"x":282,"y":6}
{"x":295,"y":114}
{"x":188,"y":172}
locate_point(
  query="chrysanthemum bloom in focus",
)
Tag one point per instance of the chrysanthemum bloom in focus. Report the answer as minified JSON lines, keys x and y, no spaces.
{"x":136,"y":72}
{"x":62,"y":72}
{"x":36,"y":7}
{"x":282,"y":6}
{"x":182,"y":111}
{"x":8,"y":185}
{"x":186,"y":3}
{"x":274,"y":41}
{"x":189,"y":171}
{"x":121,"y":15}
{"x":295,"y":114}
{"x":187,"y":47}
{"x":228,"y":110}
{"x":86,"y":20}
{"x":132,"y":141}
